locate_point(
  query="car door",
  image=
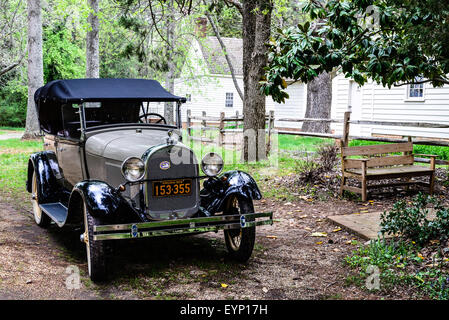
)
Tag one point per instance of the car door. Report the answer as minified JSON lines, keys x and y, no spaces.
{"x":69,"y":155}
{"x":68,"y":146}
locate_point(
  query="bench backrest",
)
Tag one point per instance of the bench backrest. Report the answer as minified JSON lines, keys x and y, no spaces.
{"x":405,"y":159}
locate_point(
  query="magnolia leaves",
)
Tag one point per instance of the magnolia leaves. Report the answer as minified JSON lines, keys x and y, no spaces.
{"x":394,"y":49}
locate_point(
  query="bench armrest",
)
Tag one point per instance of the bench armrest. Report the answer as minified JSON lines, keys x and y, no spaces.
{"x":425,"y":155}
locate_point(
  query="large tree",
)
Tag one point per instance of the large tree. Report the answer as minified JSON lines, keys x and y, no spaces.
{"x":35,"y":66}
{"x":93,"y":42}
{"x":392,"y":42}
{"x":12,"y":23}
{"x":256,"y":16}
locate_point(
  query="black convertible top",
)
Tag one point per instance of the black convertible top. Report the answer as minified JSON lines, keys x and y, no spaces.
{"x":98,"y":90}
{"x":120,"y":100}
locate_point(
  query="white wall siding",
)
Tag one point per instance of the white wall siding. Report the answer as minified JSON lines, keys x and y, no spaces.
{"x":294,"y":106}
{"x":209,"y":94}
{"x":383,"y":104}
{"x":340,"y":94}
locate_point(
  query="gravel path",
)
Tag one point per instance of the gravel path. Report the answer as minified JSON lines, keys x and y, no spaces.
{"x":288,"y":263}
{"x":14,"y":135}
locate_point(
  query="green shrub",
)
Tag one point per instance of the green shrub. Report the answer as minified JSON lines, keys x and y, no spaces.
{"x":327,"y":156}
{"x":400,"y":264}
{"x":13,"y":104}
{"x":409,"y":220}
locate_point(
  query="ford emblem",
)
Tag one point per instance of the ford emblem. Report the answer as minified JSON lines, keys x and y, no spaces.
{"x":164,"y":165}
{"x":242,"y":221}
{"x":134,"y":232}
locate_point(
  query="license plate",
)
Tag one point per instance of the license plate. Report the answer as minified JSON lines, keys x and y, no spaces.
{"x":165,"y":188}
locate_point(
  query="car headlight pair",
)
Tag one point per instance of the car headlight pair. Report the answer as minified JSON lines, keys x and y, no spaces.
{"x":133,"y":169}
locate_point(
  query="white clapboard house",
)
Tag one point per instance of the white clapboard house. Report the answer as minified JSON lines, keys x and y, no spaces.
{"x":207,"y":83}
{"x":407,"y":103}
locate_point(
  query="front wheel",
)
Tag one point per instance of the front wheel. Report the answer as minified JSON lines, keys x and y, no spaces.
{"x":240,"y":242}
{"x":95,"y":249}
{"x":41,"y":219}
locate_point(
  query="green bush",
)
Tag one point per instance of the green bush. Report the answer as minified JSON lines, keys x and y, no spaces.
{"x":400,"y":264}
{"x":13,"y":104}
{"x":409,"y":220}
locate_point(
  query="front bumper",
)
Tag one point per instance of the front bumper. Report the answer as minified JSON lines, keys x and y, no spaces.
{"x":181,"y":226}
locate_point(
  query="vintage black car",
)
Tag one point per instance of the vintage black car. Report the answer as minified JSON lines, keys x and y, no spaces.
{"x":120,"y":171}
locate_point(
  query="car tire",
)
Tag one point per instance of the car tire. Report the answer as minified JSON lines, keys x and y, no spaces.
{"x":95,"y":249}
{"x":240,"y":242}
{"x":41,"y":219}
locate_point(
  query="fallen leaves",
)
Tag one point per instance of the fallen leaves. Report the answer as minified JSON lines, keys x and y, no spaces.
{"x":272,"y":237}
{"x":319,"y":234}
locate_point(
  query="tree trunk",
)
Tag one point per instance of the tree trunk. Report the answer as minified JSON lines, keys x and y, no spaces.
{"x":35,"y":66}
{"x":92,"y":42}
{"x":319,"y":102}
{"x":256,"y":32}
{"x":170,"y":77}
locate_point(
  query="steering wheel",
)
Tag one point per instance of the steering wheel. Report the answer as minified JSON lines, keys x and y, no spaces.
{"x":146,"y":115}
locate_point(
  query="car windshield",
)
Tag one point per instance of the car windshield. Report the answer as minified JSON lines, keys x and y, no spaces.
{"x":109,"y":113}
{"x":106,"y":113}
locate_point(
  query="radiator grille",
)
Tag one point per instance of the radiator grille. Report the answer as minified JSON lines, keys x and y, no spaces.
{"x":171,"y":163}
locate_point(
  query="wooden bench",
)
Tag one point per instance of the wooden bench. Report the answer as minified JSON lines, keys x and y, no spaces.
{"x":383,"y":167}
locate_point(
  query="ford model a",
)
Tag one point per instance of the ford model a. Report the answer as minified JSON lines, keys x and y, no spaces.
{"x":120,"y":171}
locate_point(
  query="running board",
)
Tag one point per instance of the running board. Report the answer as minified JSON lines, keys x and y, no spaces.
{"x":56,"y":211}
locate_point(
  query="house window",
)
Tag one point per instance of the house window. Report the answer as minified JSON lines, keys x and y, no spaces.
{"x":415,"y":91}
{"x":229,"y":99}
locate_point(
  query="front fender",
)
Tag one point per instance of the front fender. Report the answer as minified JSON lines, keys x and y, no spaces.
{"x":46,"y":167}
{"x":235,"y":182}
{"x":103,"y":202}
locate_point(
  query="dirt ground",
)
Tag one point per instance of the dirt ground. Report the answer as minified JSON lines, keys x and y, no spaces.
{"x":287,"y":263}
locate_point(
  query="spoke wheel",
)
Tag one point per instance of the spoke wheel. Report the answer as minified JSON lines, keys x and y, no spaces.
{"x":41,"y":219}
{"x":240,"y":242}
{"x":95,"y":250}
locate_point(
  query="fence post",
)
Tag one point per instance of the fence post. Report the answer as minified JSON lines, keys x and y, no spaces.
{"x":270,"y":127}
{"x":345,"y":136}
{"x":236,"y":119}
{"x":203,"y":123}
{"x":189,"y":123}
{"x":220,"y":129}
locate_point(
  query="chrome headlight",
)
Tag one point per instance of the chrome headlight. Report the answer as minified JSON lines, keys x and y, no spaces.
{"x":133,"y":169}
{"x":212,"y":164}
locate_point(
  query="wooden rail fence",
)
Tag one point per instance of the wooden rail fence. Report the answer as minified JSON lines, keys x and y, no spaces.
{"x":218,"y":124}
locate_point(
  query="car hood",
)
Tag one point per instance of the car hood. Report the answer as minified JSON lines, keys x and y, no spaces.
{"x":121,"y":144}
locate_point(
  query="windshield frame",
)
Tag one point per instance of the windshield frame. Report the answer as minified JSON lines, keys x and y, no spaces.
{"x":84,"y":128}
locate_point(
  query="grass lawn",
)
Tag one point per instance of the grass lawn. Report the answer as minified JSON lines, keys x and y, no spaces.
{"x":14,"y":155}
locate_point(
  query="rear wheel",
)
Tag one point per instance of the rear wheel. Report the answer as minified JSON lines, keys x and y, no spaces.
{"x":240,"y":242}
{"x":41,"y":219}
{"x":95,"y":249}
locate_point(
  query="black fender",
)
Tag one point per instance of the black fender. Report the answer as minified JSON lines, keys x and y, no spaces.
{"x":49,"y":187}
{"x":103,"y":202}
{"x":217,"y":190}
